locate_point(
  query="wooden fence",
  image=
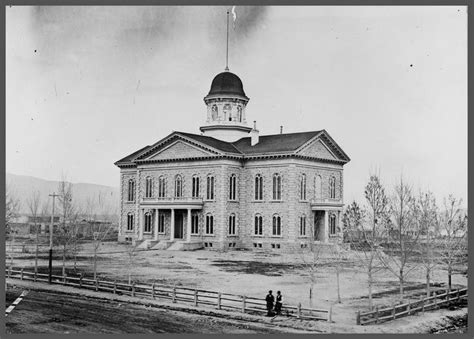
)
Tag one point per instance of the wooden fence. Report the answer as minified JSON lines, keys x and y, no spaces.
{"x":438,"y":299}
{"x":176,"y":294}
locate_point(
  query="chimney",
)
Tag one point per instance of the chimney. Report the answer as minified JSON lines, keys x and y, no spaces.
{"x":281,"y":129}
{"x":254,"y":134}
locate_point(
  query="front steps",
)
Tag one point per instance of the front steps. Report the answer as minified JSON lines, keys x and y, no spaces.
{"x":172,"y":245}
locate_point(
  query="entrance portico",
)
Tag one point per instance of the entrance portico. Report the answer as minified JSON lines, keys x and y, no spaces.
{"x":322,"y":208}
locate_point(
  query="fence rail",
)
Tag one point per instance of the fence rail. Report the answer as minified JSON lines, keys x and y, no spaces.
{"x":196,"y":297}
{"x":435,"y":301}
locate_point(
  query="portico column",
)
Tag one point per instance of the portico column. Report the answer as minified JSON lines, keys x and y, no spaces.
{"x":156,"y":223}
{"x":188,"y":235}
{"x":326,"y":226}
{"x":172,"y":225}
{"x":140,"y":227}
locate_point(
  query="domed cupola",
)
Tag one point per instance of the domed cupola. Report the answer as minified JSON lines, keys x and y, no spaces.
{"x":226,"y":103}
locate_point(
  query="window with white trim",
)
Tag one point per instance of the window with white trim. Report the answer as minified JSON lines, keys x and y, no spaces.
{"x":161,"y":187}
{"x":148,"y":222}
{"x":332,"y":224}
{"x":161,"y":223}
{"x":232,"y":187}
{"x":209,"y":224}
{"x":332,"y":187}
{"x":148,"y":187}
{"x":303,"y":187}
{"x":258,"y":225}
{"x":258,"y":187}
{"x":276,"y":229}
{"x":130,"y":222}
{"x":131,"y":190}
{"x":195,"y":193}
{"x":178,"y":186}
{"x":318,"y":189}
{"x":276,"y":186}
{"x":303,"y":225}
{"x":210,"y":188}
{"x":194,"y":224}
{"x":232,"y":224}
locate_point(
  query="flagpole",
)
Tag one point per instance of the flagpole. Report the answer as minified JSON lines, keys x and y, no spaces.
{"x":227,"y":46}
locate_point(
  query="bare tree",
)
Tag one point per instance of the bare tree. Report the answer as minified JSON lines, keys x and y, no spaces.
{"x":339,"y":259}
{"x":374,"y":223}
{"x":132,"y":251}
{"x":427,"y":221}
{"x":33,"y":203}
{"x":12,"y":207}
{"x":453,"y":226}
{"x":402,"y":235}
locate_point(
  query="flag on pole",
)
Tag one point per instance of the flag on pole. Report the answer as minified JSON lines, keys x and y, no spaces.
{"x":234,"y":16}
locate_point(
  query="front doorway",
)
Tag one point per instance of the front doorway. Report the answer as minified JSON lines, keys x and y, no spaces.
{"x":178,"y":225}
{"x":319,"y":229}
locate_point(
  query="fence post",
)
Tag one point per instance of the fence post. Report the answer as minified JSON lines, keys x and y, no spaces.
{"x":133,"y":289}
{"x":21,"y":274}
{"x":173,"y":298}
{"x":298,"y":315}
{"x":330,"y":314}
{"x":376,"y":314}
{"x":115,"y":287}
{"x":394,"y":310}
{"x":96,"y":285}
{"x":243,"y":304}
{"x":195,"y":297}
{"x":64,"y":278}
{"x":435,"y":299}
{"x":358,"y":318}
{"x":408,"y":309}
{"x":447,"y":296}
{"x":219,"y":300}
{"x":423,"y":305}
{"x":153,"y":290}
{"x":36,"y":274}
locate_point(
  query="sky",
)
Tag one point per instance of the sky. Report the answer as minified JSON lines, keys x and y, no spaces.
{"x":86,"y":86}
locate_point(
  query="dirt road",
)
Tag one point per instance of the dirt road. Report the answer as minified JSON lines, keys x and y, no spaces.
{"x":49,"y":312}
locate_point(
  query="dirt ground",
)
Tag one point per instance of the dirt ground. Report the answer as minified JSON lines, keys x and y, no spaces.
{"x":253,"y":274}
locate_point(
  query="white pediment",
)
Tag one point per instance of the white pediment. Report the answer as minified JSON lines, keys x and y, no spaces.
{"x":317,"y":149}
{"x":179,"y":150}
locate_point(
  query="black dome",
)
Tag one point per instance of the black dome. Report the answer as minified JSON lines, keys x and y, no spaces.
{"x":227,"y":83}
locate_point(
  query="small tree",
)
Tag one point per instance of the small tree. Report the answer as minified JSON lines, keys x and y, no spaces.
{"x":402,"y":235}
{"x":132,"y":251}
{"x":33,"y":203}
{"x":352,"y":221}
{"x":340,"y":257}
{"x":12,"y":207}
{"x":453,"y":226}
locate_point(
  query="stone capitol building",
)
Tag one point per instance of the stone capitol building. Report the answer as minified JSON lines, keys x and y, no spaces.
{"x":230,"y":187}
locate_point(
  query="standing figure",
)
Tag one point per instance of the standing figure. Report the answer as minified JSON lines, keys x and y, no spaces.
{"x":278,"y":303}
{"x":269,"y":299}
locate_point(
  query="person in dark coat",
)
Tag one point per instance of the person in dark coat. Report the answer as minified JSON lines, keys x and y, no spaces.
{"x":269,"y":299}
{"x":278,"y":303}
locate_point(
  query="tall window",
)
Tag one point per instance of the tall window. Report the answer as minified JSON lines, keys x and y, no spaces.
{"x":232,"y":187}
{"x":195,"y":187}
{"x":148,"y":222}
{"x":332,"y":224}
{"x":332,"y":187}
{"x":194,"y":224}
{"x":131,"y":190}
{"x":276,"y":230}
{"x":227,"y":112}
{"x":130,"y":222}
{"x":214,"y":112}
{"x":161,"y":187}
{"x":210,"y":188}
{"x":178,"y":186}
{"x":148,"y":187}
{"x":258,"y":187}
{"x":232,"y":224}
{"x":258,"y":225}
{"x":318,"y":189}
{"x":161,"y":223}
{"x":303,"y":187}
{"x":239,"y":113}
{"x":276,"y":187}
{"x":303,"y":225}
{"x":209,"y":224}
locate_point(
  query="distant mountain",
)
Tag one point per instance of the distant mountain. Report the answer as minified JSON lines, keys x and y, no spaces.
{"x":23,"y":186}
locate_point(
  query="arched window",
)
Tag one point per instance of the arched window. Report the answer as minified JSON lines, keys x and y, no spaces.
{"x":161,"y":223}
{"x":148,"y":222}
{"x":227,"y":112}
{"x":232,"y":224}
{"x":148,"y":187}
{"x":131,"y":190}
{"x":332,"y":224}
{"x":303,"y":225}
{"x":276,"y":230}
{"x":209,"y":224}
{"x":239,"y":113}
{"x":195,"y":187}
{"x":258,"y":225}
{"x":332,"y":187}
{"x":210,"y":188}
{"x":130,"y":222}
{"x":161,"y":187}
{"x":303,"y":187}
{"x":178,"y":186}
{"x":318,"y":189}
{"x":276,"y":187}
{"x":258,"y":187}
{"x":194,"y":223}
{"x":232,"y":187}
{"x":214,"y":112}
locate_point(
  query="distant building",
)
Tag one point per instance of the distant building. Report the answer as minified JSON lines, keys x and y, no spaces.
{"x":25,"y":224}
{"x":231,"y":187}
